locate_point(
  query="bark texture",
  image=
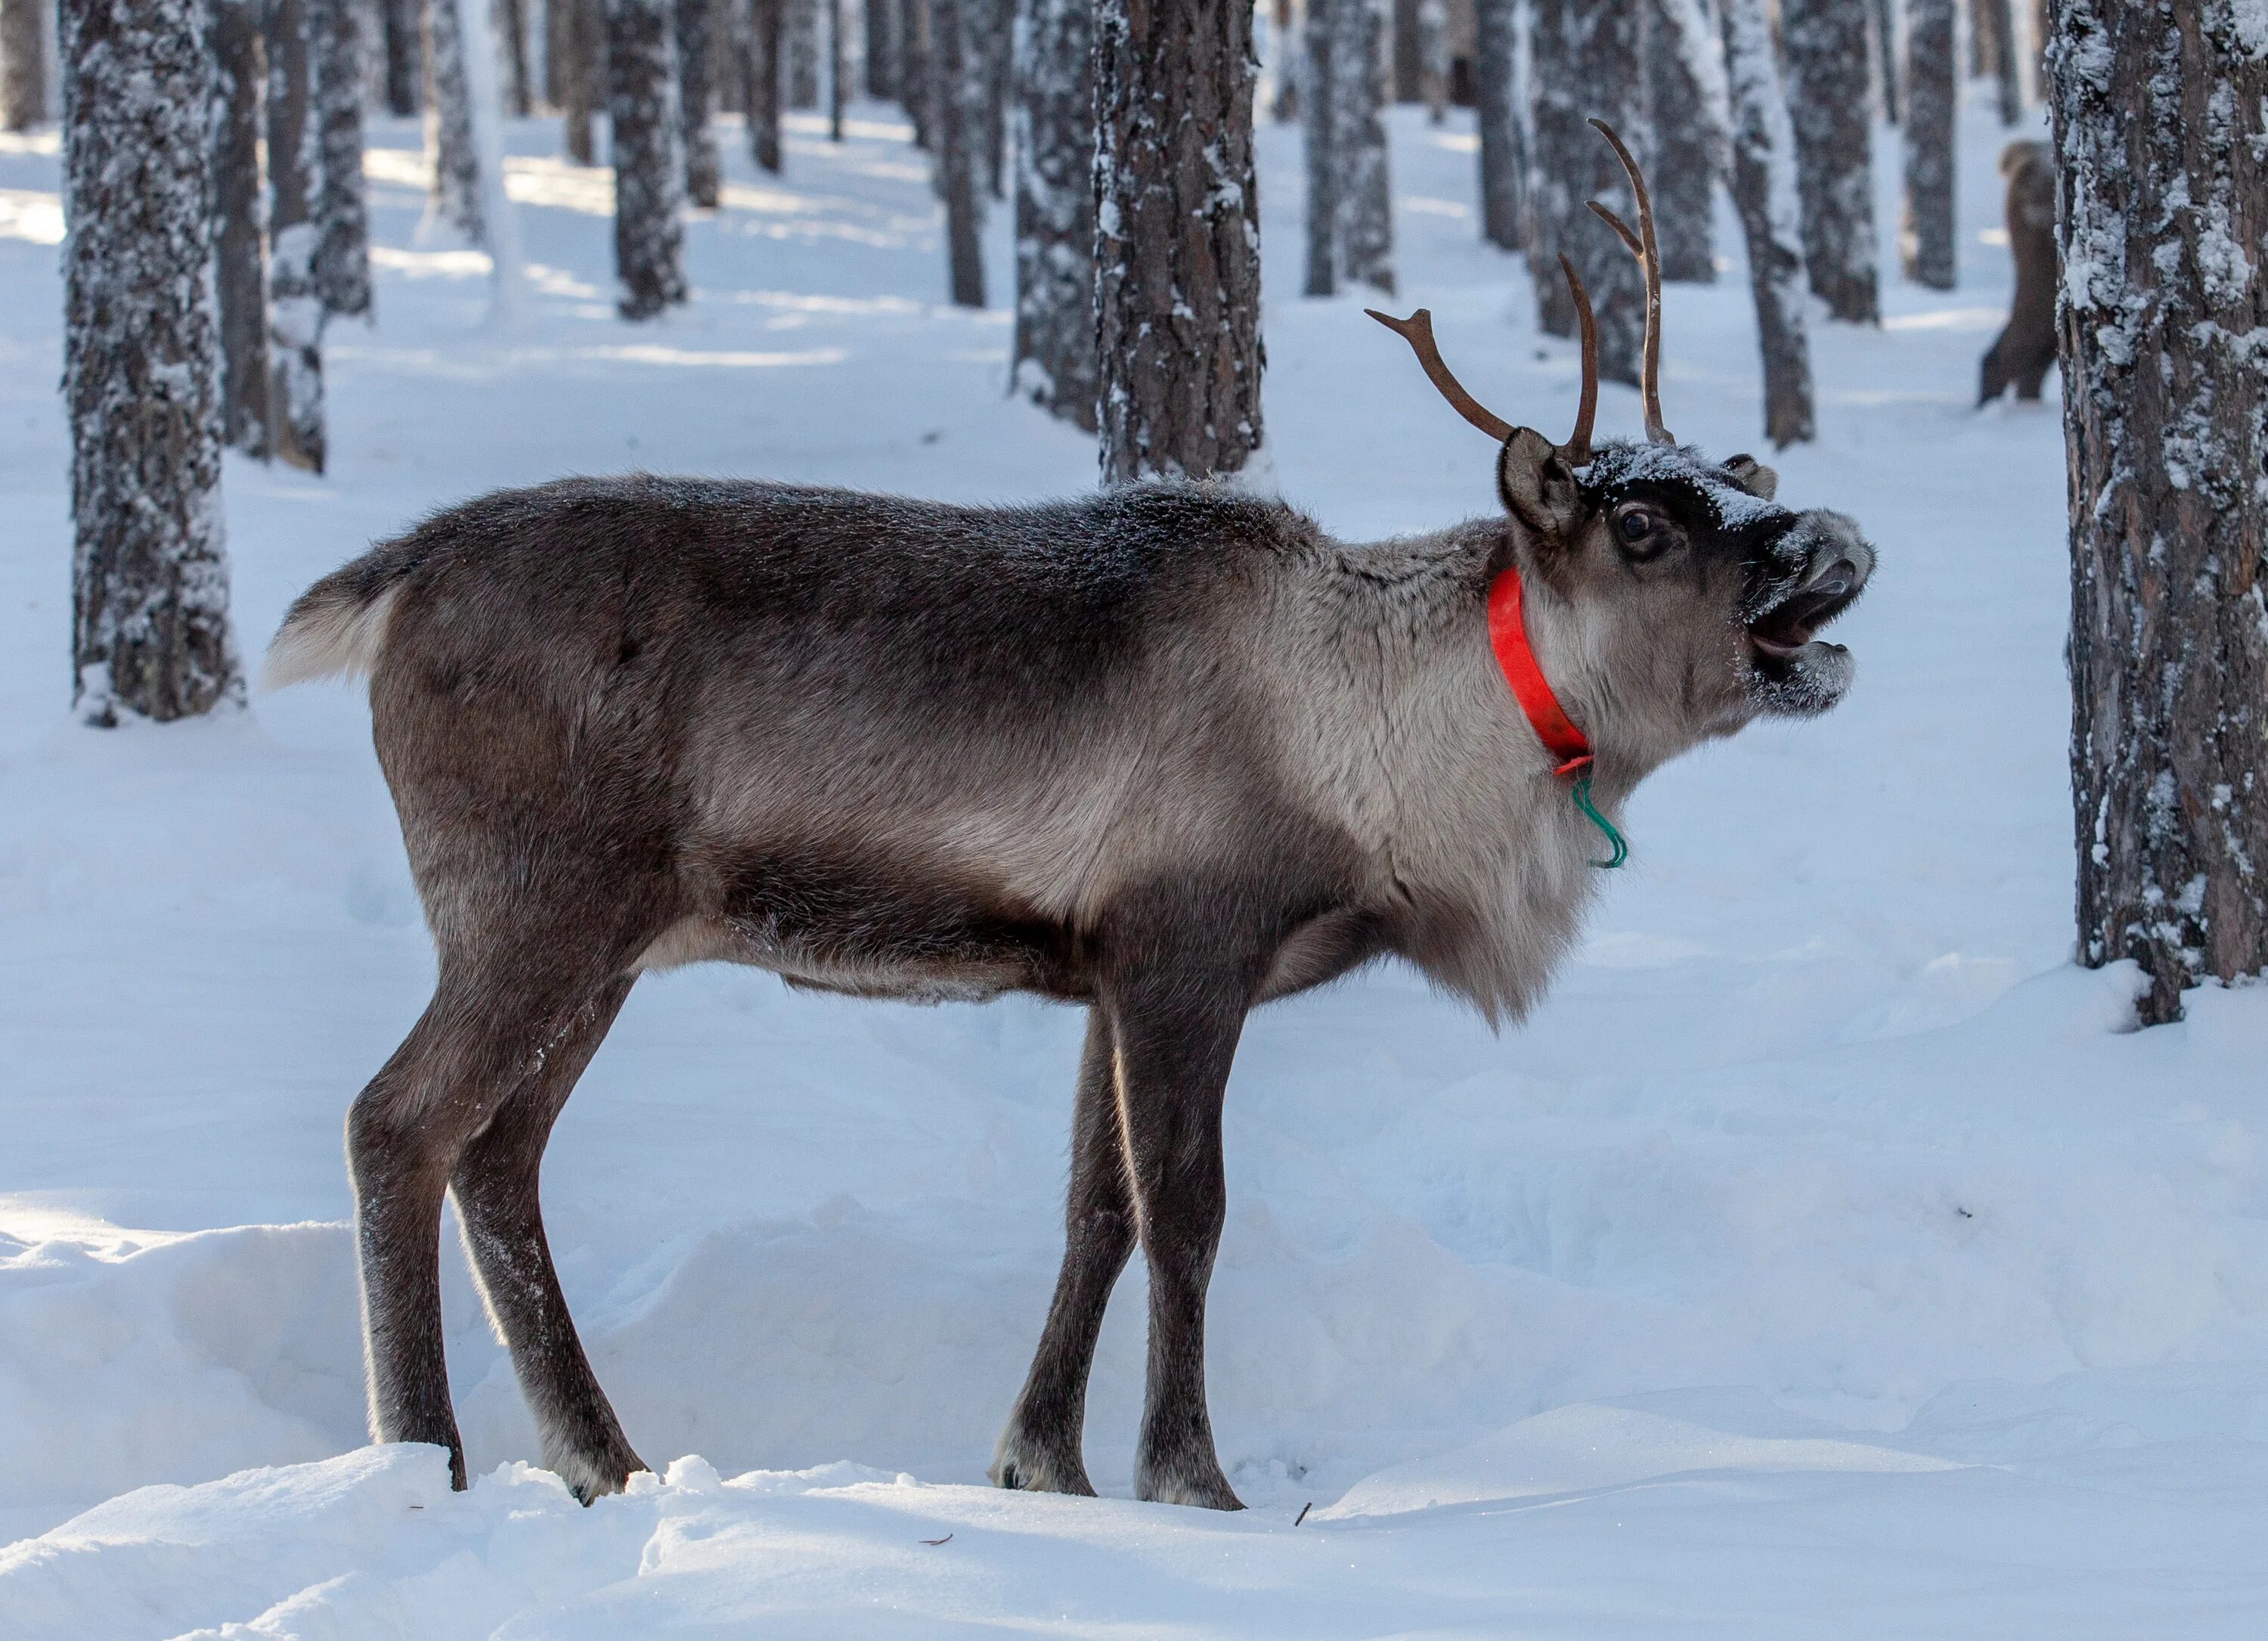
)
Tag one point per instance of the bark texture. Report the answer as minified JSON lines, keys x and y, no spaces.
{"x":1177,"y":238}
{"x":643,"y":114}
{"x":1681,"y":171}
{"x":401,"y":29}
{"x":456,"y":196}
{"x":2160,"y":138}
{"x":342,"y":208}
{"x":239,"y":70}
{"x":1824,"y":43}
{"x":1589,"y":62}
{"x":1320,"y":80}
{"x":696,"y":93}
{"x":956,"y":59}
{"x":1365,"y":195}
{"x":580,"y":75}
{"x":1503,"y":145}
{"x":1054,"y":208}
{"x":295,"y":180}
{"x":1927,"y":243}
{"x":23,"y":63}
{"x":149,"y":575}
{"x":761,"y":69}
{"x":1764,"y":190}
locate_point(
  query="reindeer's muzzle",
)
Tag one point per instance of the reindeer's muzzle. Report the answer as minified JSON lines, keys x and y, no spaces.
{"x":1813,"y":573}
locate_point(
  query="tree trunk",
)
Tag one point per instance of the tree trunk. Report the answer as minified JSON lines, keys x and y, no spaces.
{"x":802,"y":23}
{"x":341,"y":209}
{"x":23,"y":65}
{"x":1433,"y":59}
{"x":2159,"y":137}
{"x":1764,"y":189}
{"x":1928,"y":242}
{"x":838,"y":89}
{"x":1824,"y":45}
{"x":1177,"y":238}
{"x":1291,"y":57}
{"x":997,"y":36}
{"x":956,"y":63}
{"x":696,"y":90}
{"x":1054,"y":208}
{"x":1366,"y":192}
{"x":579,"y":75}
{"x":455,"y":199}
{"x":1995,"y":26}
{"x":239,"y":84}
{"x":914,"y":75}
{"x":401,"y":24}
{"x":511,"y":35}
{"x":295,"y":180}
{"x":1325,"y":171}
{"x":1681,"y":171}
{"x":1589,"y":57}
{"x":1406,"y":56}
{"x":766,"y":26}
{"x":149,"y":575}
{"x":1884,"y":39}
{"x":1504,"y":149}
{"x":881,"y":57}
{"x":643,"y":121}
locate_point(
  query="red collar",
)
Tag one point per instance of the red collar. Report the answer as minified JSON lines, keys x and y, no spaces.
{"x":1508,"y":637}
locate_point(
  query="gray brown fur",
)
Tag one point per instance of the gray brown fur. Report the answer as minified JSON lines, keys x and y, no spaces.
{"x":2026,"y":346}
{"x":1166,"y":751}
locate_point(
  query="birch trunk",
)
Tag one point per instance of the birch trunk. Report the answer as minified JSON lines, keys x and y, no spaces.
{"x":455,"y":200}
{"x":295,"y":179}
{"x":1824,"y":43}
{"x":1764,"y":190}
{"x":643,"y":120}
{"x":1588,"y":62}
{"x":342,"y":208}
{"x":1366,"y":192}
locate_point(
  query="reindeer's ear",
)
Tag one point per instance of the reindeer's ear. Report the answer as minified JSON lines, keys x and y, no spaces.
{"x":1753,"y":476}
{"x":1537,"y":486}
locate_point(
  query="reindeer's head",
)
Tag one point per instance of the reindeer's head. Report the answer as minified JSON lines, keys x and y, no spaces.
{"x":1693,"y":598}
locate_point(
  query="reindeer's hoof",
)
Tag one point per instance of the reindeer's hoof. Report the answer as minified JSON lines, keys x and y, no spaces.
{"x":593,"y":1477}
{"x":1034,"y":1466}
{"x":1200,"y":1485}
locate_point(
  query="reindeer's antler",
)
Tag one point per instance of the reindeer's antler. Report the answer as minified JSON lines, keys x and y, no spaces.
{"x":1641,"y":246}
{"x":1418,"y":331}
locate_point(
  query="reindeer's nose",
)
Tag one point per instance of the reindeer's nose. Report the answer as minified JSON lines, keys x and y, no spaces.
{"x":1841,"y":560}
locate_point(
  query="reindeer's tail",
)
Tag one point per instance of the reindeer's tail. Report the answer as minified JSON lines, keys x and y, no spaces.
{"x":337,"y":625}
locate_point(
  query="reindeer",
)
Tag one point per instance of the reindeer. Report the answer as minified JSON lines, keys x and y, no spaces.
{"x":2026,"y":346}
{"x":1168,"y":751}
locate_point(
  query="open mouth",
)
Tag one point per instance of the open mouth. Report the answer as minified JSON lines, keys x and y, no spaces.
{"x":1793,"y":624}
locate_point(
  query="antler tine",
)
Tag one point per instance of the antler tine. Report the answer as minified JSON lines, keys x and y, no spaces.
{"x":1418,"y":331}
{"x":1642,"y":245}
{"x":1576,"y":451}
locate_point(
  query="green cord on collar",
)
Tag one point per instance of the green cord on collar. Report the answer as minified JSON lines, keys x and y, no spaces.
{"x":1583,"y":802}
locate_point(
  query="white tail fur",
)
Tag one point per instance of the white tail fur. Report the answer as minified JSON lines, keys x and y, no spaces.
{"x":327,"y":636}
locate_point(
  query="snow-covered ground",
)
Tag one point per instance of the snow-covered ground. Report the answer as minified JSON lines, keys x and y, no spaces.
{"x":1827,"y":1257}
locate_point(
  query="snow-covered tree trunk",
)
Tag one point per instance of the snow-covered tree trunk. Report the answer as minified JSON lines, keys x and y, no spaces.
{"x":802,"y":25}
{"x":1319,"y":78}
{"x":696,"y":93}
{"x":996,"y":36}
{"x":1589,"y":62}
{"x":881,"y":53}
{"x":239,"y":85}
{"x":766,"y":26}
{"x":643,"y":118}
{"x":342,"y":209}
{"x":1681,"y":171}
{"x":1054,"y":208}
{"x":2161,"y":158}
{"x":1177,"y":238}
{"x":23,"y":63}
{"x":956,"y":62}
{"x":401,"y":29}
{"x":1503,"y":147}
{"x":1764,"y":189}
{"x":149,"y":575}
{"x":455,"y":201}
{"x":580,"y":76}
{"x":1927,"y":243}
{"x":1883,"y":42}
{"x":1824,"y":43}
{"x":295,"y":180}
{"x":517,"y":83}
{"x":1365,"y":190}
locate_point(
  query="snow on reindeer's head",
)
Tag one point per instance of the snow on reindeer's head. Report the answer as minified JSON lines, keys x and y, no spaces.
{"x":1692,"y":598}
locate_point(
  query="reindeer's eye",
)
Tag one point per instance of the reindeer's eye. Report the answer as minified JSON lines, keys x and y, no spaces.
{"x":1642,"y":532}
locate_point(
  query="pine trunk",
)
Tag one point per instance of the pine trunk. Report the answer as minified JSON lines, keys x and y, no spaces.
{"x":295,"y":180}
{"x":239,"y":219}
{"x":581,"y":76}
{"x":1995,"y":24}
{"x":956,"y":59}
{"x":881,"y":57}
{"x":766,"y":26}
{"x":1365,"y":202}
{"x":1928,"y":242}
{"x":1589,"y":56}
{"x":1054,"y":208}
{"x":914,"y":75}
{"x":1883,"y":15}
{"x":1824,"y":45}
{"x":23,"y":65}
{"x":1504,"y":149}
{"x":1680,"y":172}
{"x":455,"y":200}
{"x":1401,"y":50}
{"x":149,"y":575}
{"x":838,"y":89}
{"x":342,"y":209}
{"x":696,"y":92}
{"x":802,"y":23}
{"x":996,"y":37}
{"x":1764,"y":189}
{"x":643,"y":119}
{"x":399,"y":24}
{"x":1177,"y":238}
{"x":1324,"y":166}
{"x":2160,"y":138}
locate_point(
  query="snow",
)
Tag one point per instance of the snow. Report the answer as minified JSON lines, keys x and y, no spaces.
{"x":1827,"y":1256}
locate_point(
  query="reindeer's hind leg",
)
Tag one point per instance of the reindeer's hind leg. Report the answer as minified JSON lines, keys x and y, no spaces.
{"x":496,"y":1185}
{"x":1040,"y":1449}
